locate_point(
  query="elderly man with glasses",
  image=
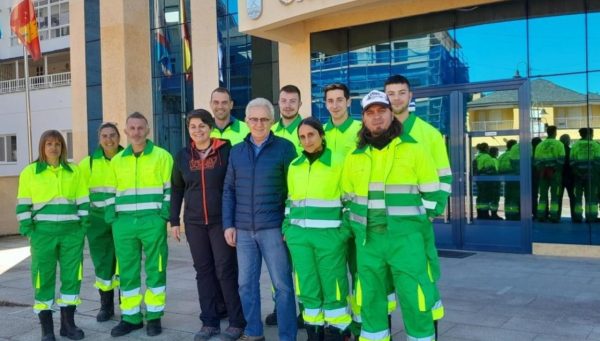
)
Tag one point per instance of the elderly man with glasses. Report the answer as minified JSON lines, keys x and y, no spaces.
{"x":254,"y":197}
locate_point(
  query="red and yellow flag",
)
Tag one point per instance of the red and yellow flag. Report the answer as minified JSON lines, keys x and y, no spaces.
{"x":185,"y":42}
{"x":23,"y":23}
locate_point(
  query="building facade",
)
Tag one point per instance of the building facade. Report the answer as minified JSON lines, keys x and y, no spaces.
{"x":481,"y":72}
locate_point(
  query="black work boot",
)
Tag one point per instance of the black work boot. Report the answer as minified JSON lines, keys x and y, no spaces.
{"x":153,"y":327}
{"x":271,"y":319}
{"x":334,"y":334}
{"x":67,"y":323}
{"x":107,"y":305}
{"x":47,"y":325}
{"x":124,"y":328}
{"x":315,"y":333}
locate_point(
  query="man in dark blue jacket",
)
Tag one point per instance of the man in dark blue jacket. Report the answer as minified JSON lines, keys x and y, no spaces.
{"x":254,"y":197}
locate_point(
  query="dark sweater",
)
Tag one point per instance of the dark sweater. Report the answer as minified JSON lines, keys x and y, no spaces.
{"x":200,"y":183}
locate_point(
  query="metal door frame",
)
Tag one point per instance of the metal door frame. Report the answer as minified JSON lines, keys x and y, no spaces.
{"x":457,"y":125}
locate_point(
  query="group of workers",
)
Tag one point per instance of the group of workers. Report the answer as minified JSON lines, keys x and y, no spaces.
{"x":556,"y":166}
{"x":340,"y":213}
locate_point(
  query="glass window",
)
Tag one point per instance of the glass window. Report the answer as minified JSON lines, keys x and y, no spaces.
{"x":8,"y":148}
{"x":593,"y":43}
{"x":558,"y":187}
{"x":494,"y":50}
{"x":556,"y":36}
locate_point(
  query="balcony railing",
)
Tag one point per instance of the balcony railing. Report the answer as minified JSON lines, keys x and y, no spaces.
{"x":36,"y":82}
{"x":492,"y":125}
{"x":576,"y":122}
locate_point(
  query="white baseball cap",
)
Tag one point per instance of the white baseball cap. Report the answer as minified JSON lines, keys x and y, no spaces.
{"x":375,"y":97}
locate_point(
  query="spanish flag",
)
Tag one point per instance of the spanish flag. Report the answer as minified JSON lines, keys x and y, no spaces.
{"x":185,"y":42}
{"x":24,"y":24}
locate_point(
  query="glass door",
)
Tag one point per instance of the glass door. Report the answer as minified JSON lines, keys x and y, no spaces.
{"x":485,"y":125}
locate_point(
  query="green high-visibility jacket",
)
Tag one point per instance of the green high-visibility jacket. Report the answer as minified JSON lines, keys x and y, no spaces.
{"x":142,"y":184}
{"x":235,"y":131}
{"x":289,"y":133}
{"x":96,"y":170}
{"x":410,"y":187}
{"x":342,"y":139}
{"x":48,"y":196}
{"x":314,"y":192}
{"x":485,"y":164}
{"x":434,"y":142}
{"x":549,"y":153}
{"x":504,"y":164}
{"x":585,"y":154}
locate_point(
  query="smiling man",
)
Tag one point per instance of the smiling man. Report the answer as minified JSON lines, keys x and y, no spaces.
{"x":227,"y":126}
{"x":254,"y":197}
{"x":141,"y":179}
{"x":341,"y":129}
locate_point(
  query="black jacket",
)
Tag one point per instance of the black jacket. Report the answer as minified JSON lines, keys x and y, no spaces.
{"x":200,"y":183}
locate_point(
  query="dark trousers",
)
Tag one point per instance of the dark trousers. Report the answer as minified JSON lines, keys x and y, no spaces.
{"x":216,"y":266}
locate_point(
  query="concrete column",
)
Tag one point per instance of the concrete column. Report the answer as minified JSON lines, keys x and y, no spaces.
{"x":125,"y":53}
{"x":294,"y":68}
{"x":205,"y":45}
{"x":78,"y":79}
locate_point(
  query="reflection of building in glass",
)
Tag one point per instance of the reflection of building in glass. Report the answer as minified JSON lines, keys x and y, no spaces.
{"x":426,"y":60}
{"x":551,"y":104}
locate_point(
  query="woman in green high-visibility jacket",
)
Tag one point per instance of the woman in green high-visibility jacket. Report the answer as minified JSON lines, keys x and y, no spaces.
{"x":52,"y":209}
{"x":312,"y":230}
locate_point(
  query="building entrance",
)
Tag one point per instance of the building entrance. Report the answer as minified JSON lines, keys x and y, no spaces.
{"x":486,"y":126}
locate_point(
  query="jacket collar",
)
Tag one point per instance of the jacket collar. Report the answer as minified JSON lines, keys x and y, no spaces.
{"x":325,"y":158}
{"x":41,"y":166}
{"x":99,"y":152}
{"x":342,"y":127}
{"x":403,"y":138}
{"x":234,"y":124}
{"x":291,"y":128}
{"x":147,"y":150}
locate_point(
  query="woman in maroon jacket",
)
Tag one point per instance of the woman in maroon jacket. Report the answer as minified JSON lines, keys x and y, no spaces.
{"x":198,"y":175}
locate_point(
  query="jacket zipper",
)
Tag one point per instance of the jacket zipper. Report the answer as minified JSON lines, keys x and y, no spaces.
{"x":203,"y":192}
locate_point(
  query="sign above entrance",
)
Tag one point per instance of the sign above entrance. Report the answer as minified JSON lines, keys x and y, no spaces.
{"x":287,"y":2}
{"x":254,"y":9}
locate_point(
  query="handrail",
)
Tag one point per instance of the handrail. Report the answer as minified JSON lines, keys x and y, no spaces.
{"x":36,"y":82}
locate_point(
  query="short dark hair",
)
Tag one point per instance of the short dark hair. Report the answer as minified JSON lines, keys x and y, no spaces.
{"x":221,"y":90}
{"x":138,"y":115}
{"x":396,"y":79}
{"x":483,"y":147}
{"x":313,"y":123}
{"x":551,"y":131}
{"x":336,"y":86}
{"x":290,"y":89}
{"x":510,"y":144}
{"x":585,"y":133}
{"x":203,"y":115}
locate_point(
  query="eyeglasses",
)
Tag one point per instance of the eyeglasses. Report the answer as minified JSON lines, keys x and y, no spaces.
{"x":255,"y":120}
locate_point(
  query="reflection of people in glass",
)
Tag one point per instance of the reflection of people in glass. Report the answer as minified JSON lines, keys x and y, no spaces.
{"x":584,"y":160}
{"x":511,"y":188}
{"x":495,"y":187}
{"x":484,"y":165}
{"x":567,"y":177}
{"x":534,"y":180}
{"x":548,"y":160}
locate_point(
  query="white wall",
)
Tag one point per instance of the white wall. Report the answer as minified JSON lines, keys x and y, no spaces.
{"x":50,"y":109}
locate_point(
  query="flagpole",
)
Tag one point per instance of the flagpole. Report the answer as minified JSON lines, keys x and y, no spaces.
{"x":27,"y":104}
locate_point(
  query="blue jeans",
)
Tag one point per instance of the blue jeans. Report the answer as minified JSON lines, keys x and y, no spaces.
{"x":252,"y":247}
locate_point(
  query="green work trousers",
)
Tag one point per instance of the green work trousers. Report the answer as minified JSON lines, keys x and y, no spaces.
{"x":53,"y":243}
{"x":134,"y":234}
{"x":512,"y":204}
{"x":550,"y":179}
{"x":405,"y":258}
{"x":102,"y":251}
{"x":586,"y":183}
{"x":319,"y":258}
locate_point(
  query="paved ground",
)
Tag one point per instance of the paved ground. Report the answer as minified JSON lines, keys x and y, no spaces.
{"x":488,"y":296}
